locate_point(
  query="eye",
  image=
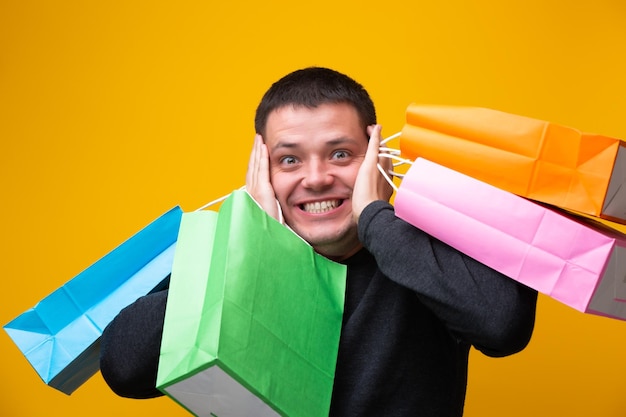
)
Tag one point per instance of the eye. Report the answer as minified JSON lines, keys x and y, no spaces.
{"x":288,"y":160}
{"x":340,"y":155}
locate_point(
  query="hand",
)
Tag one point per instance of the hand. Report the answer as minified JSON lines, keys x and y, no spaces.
{"x":370,"y":185}
{"x":258,"y":182}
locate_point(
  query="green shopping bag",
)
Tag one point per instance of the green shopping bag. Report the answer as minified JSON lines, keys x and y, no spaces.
{"x":253,"y":317}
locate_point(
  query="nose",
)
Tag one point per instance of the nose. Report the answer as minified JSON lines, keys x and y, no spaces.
{"x":317,"y":175}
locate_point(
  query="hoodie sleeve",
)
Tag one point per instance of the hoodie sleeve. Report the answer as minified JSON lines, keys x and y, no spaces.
{"x":478,"y":304}
{"x":130,"y":347}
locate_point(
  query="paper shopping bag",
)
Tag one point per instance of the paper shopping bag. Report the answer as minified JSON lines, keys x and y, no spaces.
{"x":618,"y":263}
{"x":532,"y":158}
{"x":253,"y":317}
{"x":60,"y":336}
{"x":563,"y":257}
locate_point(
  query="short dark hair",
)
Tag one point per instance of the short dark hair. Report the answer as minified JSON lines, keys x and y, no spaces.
{"x":311,"y":87}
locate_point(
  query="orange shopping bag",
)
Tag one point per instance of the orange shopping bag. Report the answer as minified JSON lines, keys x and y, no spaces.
{"x":532,"y":158}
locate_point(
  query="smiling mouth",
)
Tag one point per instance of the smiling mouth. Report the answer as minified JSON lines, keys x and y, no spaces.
{"x":320,"y":206}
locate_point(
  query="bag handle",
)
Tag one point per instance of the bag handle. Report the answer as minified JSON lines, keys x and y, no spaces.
{"x":393,"y":154}
{"x":224,"y":197}
{"x":217,"y":200}
{"x":401,"y":161}
{"x":390,"y":138}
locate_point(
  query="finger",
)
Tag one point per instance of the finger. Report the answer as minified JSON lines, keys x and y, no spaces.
{"x":253,"y":163}
{"x":374,"y":144}
{"x":366,"y":184}
{"x":385,"y":163}
{"x":384,"y":188}
{"x":263,"y":165}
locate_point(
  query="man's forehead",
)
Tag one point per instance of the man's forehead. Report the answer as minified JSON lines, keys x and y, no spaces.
{"x":330,"y":122}
{"x":325,"y":109}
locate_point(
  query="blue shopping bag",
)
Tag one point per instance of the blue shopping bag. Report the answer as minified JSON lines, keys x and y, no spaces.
{"x":60,"y":335}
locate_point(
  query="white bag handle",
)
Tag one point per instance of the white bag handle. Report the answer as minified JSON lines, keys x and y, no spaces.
{"x":219,"y":200}
{"x":394,"y":154}
{"x":402,"y":161}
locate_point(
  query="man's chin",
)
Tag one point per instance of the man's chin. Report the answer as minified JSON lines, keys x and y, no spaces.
{"x":330,"y":243}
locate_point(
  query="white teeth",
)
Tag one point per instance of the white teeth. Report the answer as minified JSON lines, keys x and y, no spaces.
{"x":320,"y":206}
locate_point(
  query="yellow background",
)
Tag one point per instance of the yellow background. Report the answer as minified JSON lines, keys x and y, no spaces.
{"x":112,"y":112}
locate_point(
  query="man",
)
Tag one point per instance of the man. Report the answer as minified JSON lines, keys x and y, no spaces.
{"x":414,"y":306}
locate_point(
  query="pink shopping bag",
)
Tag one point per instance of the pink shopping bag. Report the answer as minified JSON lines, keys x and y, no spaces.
{"x":573,"y":262}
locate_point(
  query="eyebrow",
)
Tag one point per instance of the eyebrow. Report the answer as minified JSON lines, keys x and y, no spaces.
{"x":330,"y":143}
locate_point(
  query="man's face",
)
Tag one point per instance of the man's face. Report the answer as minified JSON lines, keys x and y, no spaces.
{"x":315,"y":155}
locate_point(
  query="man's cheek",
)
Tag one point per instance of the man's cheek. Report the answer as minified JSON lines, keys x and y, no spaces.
{"x":279,"y":183}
